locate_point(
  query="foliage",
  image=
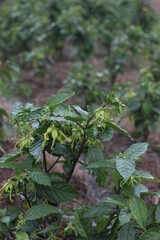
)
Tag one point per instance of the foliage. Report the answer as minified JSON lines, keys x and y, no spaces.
{"x":88,"y":83}
{"x":8,"y":79}
{"x":144,"y":104}
{"x":35,"y":33}
{"x":66,"y":132}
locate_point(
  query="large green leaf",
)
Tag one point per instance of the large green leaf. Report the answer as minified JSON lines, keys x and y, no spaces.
{"x":83,"y":226}
{"x":10,"y":157}
{"x":40,"y":211}
{"x":117,"y":200}
{"x":58,"y":99}
{"x":95,"y":154}
{"x":41,"y":178}
{"x":136,"y":150}
{"x":151,"y":234}
{"x":12,"y":165}
{"x":143,"y":175}
{"x":60,"y":192}
{"x":125,"y":167}
{"x":36,"y":148}
{"x":126,"y":232}
{"x":139,"y":211}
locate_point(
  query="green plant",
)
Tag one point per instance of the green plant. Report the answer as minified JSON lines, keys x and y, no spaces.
{"x":34,"y":34}
{"x":144,"y":104}
{"x":8,"y":79}
{"x":88,"y":84}
{"x":66,"y":132}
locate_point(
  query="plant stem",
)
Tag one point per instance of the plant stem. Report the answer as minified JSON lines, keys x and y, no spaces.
{"x":26,"y":197}
{"x":52,"y":166}
{"x":76,"y":157}
{"x":44,"y":161}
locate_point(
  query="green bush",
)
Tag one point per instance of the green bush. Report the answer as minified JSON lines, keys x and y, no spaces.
{"x":36,"y":33}
{"x":144,"y":104}
{"x":88,"y":84}
{"x":66,"y":132}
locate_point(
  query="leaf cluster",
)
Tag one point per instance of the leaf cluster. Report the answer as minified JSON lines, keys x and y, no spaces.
{"x":66,"y":132}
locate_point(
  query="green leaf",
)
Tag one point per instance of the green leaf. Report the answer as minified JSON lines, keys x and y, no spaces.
{"x":124,"y":217}
{"x":143,"y":175}
{"x":151,"y":234}
{"x":117,"y":200}
{"x":95,"y":154}
{"x":61,"y":149}
{"x":103,"y":164}
{"x":83,"y":226}
{"x":52,"y":228}
{"x":5,"y":220}
{"x":60,"y":192}
{"x":13,"y":212}
{"x":22,"y":236}
{"x":36,"y":148}
{"x":81,"y":111}
{"x":157,"y":213}
{"x":107,"y":134}
{"x":116,"y":179}
{"x":58,"y":99}
{"x":101,"y":223}
{"x":40,"y":211}
{"x":30,"y":225}
{"x":139,"y":211}
{"x":127,"y":190}
{"x":136,"y":150}
{"x":41,"y":178}
{"x":118,"y":129}
{"x":139,"y":189}
{"x":125,"y":167}
{"x":10,"y":157}
{"x":126,"y":232}
{"x":99,"y":209}
{"x":27,"y":162}
{"x":151,"y":215}
{"x":11,"y":165}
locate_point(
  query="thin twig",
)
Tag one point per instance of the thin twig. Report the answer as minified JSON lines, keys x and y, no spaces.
{"x":44,"y":161}
{"x":52,"y":166}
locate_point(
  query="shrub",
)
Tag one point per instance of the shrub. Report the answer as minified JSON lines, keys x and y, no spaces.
{"x":88,"y":83}
{"x":66,"y":132}
{"x":144,"y":104}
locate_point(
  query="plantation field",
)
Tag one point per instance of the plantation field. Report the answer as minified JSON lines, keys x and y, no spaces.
{"x":79,"y":119}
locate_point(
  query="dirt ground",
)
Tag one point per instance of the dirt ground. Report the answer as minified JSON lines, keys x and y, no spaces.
{"x":42,"y":89}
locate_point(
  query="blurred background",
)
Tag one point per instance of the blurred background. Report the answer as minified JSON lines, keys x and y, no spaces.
{"x":90,"y":47}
